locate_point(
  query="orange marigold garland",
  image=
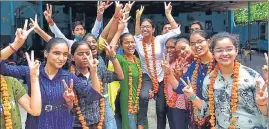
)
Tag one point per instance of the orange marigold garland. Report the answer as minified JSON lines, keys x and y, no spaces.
{"x":234,"y":96}
{"x":133,"y":108}
{"x":102,"y":108}
{"x":7,"y":107}
{"x":170,"y":102}
{"x":154,"y":78}
{"x":194,"y":80}
{"x":79,"y":113}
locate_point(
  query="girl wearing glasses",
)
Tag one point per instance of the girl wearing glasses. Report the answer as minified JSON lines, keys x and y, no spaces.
{"x":233,"y":95}
{"x":198,"y":69}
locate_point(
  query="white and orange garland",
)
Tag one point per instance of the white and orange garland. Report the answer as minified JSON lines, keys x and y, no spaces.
{"x":7,"y":107}
{"x":234,"y":96}
{"x":133,"y":108}
{"x":194,"y":80}
{"x":102,"y":107}
{"x":154,"y":78}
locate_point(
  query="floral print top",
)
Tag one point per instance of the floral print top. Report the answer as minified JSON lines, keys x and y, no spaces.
{"x":248,"y":113}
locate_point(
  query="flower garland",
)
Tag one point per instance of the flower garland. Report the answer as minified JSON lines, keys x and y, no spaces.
{"x":154,"y":78}
{"x":170,"y":102}
{"x":79,"y":113}
{"x":234,"y":96}
{"x":194,"y":80}
{"x":5,"y":95}
{"x":102,"y":108}
{"x":133,"y":108}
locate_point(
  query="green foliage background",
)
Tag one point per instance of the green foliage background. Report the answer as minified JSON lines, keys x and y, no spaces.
{"x":259,"y":12}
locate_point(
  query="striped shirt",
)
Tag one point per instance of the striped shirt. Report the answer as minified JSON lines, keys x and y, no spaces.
{"x":52,"y":96}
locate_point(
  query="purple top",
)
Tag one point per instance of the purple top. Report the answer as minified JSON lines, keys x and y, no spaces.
{"x":54,"y":114}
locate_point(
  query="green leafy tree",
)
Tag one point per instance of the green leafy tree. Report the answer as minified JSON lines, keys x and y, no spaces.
{"x":259,"y":12}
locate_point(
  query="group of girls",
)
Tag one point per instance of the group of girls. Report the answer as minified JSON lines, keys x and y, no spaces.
{"x":197,"y":83}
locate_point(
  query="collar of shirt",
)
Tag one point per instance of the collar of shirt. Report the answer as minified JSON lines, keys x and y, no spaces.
{"x":61,"y":72}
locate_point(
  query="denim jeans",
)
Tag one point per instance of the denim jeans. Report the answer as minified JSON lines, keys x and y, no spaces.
{"x":132,"y":121}
{"x":109,"y":122}
{"x":161,"y":106}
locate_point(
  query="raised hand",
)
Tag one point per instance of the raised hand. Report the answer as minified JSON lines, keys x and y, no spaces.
{"x":93,"y":63}
{"x":261,"y":94}
{"x":110,"y":50}
{"x":178,"y":70}
{"x":33,"y":64}
{"x":188,"y":91}
{"x":139,"y":12}
{"x":123,"y":21}
{"x":69,"y":94}
{"x":34,"y":23}
{"x":165,"y":64}
{"x":168,"y":8}
{"x":128,"y":6}
{"x":101,"y":6}
{"x":265,"y":68}
{"x":21,"y":35}
{"x":118,"y":9}
{"x":48,"y":13}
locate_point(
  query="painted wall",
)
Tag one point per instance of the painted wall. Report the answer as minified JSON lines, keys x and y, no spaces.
{"x":242,"y":31}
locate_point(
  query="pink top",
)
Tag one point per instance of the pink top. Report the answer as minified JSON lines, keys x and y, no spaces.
{"x":181,"y":101}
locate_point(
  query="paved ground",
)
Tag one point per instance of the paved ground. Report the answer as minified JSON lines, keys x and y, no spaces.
{"x":256,"y":63}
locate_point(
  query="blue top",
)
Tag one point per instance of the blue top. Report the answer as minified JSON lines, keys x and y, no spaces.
{"x":202,"y":70}
{"x":52,"y":95}
{"x":91,"y":109}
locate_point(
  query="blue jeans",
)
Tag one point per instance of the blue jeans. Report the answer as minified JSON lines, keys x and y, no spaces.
{"x":109,"y":122}
{"x":132,"y":121}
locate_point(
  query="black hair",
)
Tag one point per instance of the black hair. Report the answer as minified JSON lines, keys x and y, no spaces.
{"x":123,"y":36}
{"x":183,"y":39}
{"x":201,"y":33}
{"x":89,"y":35}
{"x":53,"y":42}
{"x":219,"y":36}
{"x":77,"y":44}
{"x":172,"y":39}
{"x":148,"y":20}
{"x":76,"y":23}
{"x":201,"y":24}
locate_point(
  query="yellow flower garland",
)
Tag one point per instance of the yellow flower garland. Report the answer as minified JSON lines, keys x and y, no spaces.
{"x":7,"y":107}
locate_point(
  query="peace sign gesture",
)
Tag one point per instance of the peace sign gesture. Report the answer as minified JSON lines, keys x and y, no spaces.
{"x":261,"y":94}
{"x":165,"y":64}
{"x":69,"y":94}
{"x":34,"y":23}
{"x":48,"y":13}
{"x":128,"y":6}
{"x":102,"y":6}
{"x":265,"y":68}
{"x":22,"y":34}
{"x":178,"y":70}
{"x":168,"y":8}
{"x":139,"y":12}
{"x":118,"y":8}
{"x":188,"y":91}
{"x":93,"y":63}
{"x":123,"y":22}
{"x":110,"y":50}
{"x":33,"y":64}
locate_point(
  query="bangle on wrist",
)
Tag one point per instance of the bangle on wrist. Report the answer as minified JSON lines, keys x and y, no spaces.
{"x":12,"y":48}
{"x":51,"y":22}
{"x":192,"y":97}
{"x":112,"y":58}
{"x":262,"y":105}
